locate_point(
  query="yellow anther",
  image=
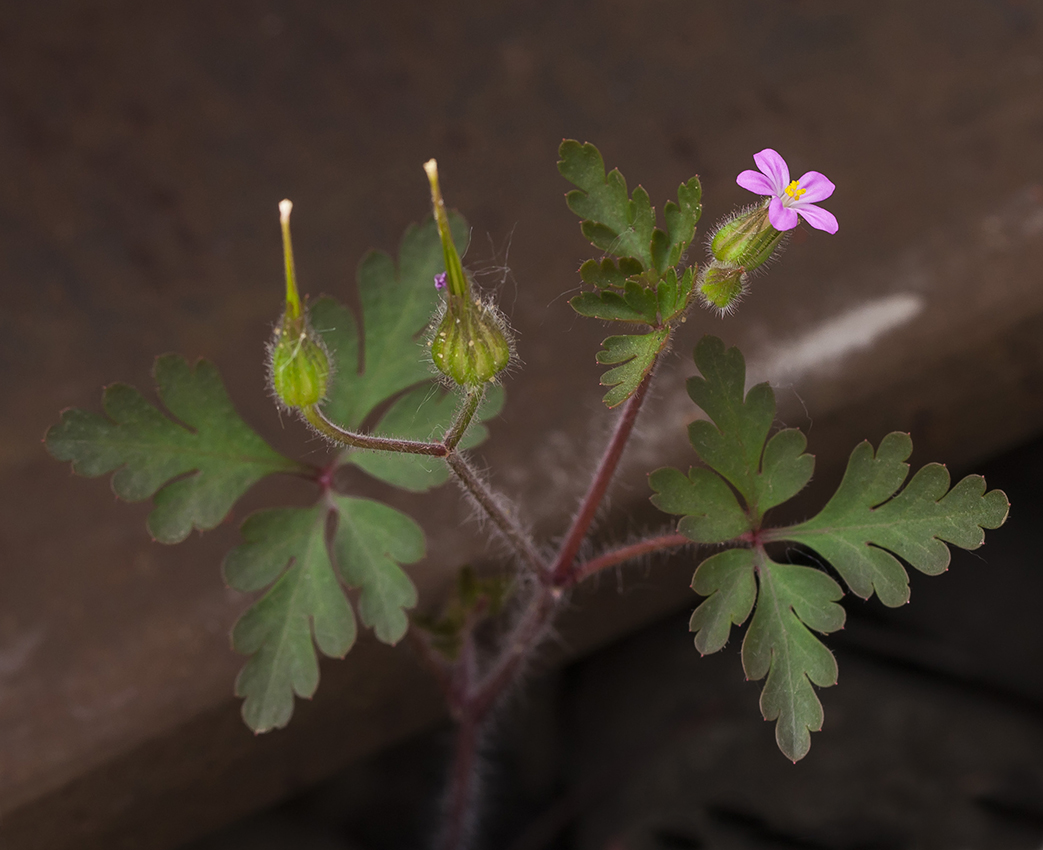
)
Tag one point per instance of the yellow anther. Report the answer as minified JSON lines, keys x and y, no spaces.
{"x":794,"y":190}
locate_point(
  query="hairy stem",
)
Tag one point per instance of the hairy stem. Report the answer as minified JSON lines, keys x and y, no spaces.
{"x":317,"y":419}
{"x":463,"y":418}
{"x":523,"y":638}
{"x":460,"y":808}
{"x":626,"y":553}
{"x":508,"y":526}
{"x":565,"y":561}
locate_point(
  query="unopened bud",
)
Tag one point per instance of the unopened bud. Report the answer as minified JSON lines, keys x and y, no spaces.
{"x":470,"y":345}
{"x":747,"y":239}
{"x":721,"y":286}
{"x":298,"y":363}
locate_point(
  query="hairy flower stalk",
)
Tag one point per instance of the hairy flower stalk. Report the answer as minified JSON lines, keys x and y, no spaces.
{"x":470,"y":345}
{"x":298,"y":364}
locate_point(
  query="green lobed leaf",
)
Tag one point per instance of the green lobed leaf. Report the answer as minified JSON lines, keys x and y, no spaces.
{"x":732,"y":442}
{"x":371,"y":541}
{"x":607,"y":274}
{"x":611,"y":220}
{"x":609,"y":306}
{"x":424,"y":413}
{"x":792,"y":600}
{"x":674,"y":294}
{"x":785,"y":469}
{"x":726,"y":579}
{"x":398,"y":301}
{"x":865,"y":522}
{"x":212,"y":453}
{"x":306,"y":604}
{"x":637,"y":355}
{"x":681,"y":218}
{"x":711,"y":512}
{"x":286,"y":546}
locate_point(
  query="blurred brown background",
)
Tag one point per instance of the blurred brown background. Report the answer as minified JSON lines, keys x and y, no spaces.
{"x":143,"y":149}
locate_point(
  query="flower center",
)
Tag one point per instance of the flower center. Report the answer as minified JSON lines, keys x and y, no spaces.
{"x":794,"y":190}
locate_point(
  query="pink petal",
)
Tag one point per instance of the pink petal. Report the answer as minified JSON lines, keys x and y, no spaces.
{"x":818,"y":186}
{"x":755,"y":182}
{"x":774,"y":168}
{"x":817,"y":217}
{"x":781,"y":216}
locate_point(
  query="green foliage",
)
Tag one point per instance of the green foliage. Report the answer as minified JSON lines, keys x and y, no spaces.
{"x":710,"y":512}
{"x":635,"y":304}
{"x":643,"y":287}
{"x":398,"y":301}
{"x":673,"y":294}
{"x":371,"y":541}
{"x":286,"y":546}
{"x":423,"y":413}
{"x":197,"y":462}
{"x":630,"y":301}
{"x":734,"y":443}
{"x":637,"y":355}
{"x":860,"y":532}
{"x":865,"y":522}
{"x":306,"y":605}
{"x":726,"y":580}
{"x":622,"y":225}
{"x":792,"y":601}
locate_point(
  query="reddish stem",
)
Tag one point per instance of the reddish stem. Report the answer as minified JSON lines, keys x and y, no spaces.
{"x":563,"y":564}
{"x":626,"y":553}
{"x":522,"y":639}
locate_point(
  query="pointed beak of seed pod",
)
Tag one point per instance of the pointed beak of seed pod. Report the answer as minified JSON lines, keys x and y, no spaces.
{"x":298,"y":363}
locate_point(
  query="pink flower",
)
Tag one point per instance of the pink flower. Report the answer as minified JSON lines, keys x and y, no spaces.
{"x":789,"y":197}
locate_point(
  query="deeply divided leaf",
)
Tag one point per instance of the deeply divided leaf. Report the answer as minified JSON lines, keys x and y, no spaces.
{"x":726,"y":579}
{"x":865,"y":525}
{"x":286,"y":546}
{"x":371,"y":541}
{"x":624,"y":225}
{"x":711,"y":513}
{"x":637,"y":355}
{"x":732,"y":443}
{"x":779,"y":643}
{"x":306,"y":605}
{"x":398,"y":300}
{"x":681,"y":218}
{"x":197,"y":464}
{"x":733,"y":440}
{"x":611,"y":220}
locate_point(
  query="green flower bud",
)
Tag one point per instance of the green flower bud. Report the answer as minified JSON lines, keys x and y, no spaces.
{"x":470,"y":345}
{"x":298,"y":363}
{"x":722,"y":285}
{"x":747,"y":239}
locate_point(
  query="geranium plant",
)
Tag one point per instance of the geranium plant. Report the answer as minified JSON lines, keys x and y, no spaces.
{"x":428,"y":352}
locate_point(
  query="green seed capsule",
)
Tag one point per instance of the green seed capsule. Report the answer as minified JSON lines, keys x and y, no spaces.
{"x":469,"y":345}
{"x":298,"y":363}
{"x":299,"y":366}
